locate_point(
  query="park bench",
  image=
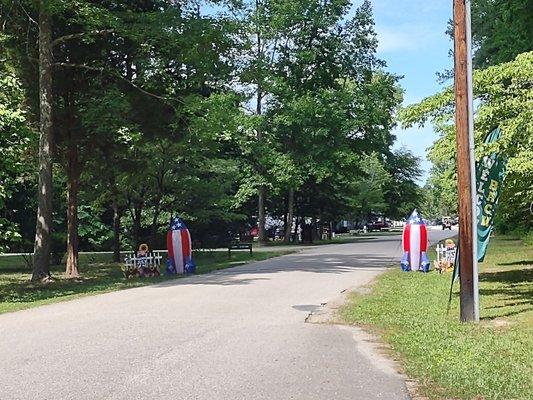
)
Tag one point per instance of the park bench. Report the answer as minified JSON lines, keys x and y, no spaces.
{"x":241,"y":242}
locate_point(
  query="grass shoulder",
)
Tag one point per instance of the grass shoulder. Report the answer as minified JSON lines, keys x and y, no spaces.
{"x":98,"y":275}
{"x":489,"y":360}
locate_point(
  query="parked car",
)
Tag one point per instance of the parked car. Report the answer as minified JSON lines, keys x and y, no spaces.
{"x":341,"y":229}
{"x":377,"y":226}
{"x":446,"y":223}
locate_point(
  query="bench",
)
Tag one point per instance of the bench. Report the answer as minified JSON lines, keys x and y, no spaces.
{"x":238,"y":245}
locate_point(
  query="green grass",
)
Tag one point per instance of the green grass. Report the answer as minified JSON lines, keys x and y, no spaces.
{"x":451,"y":360}
{"x":98,"y":275}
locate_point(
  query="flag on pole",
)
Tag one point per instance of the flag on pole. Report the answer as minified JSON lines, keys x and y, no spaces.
{"x":179,"y":248}
{"x":490,"y":172}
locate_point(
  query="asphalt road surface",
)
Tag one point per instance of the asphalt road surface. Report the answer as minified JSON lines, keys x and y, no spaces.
{"x":235,"y":334}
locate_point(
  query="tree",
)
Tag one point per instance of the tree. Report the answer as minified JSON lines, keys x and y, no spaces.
{"x":501,"y":29}
{"x":41,"y":261}
{"x":129,"y":50}
{"x":402,"y":194}
{"x":502,"y":92}
{"x":15,"y":141}
{"x":328,"y":99}
{"x":159,"y":108}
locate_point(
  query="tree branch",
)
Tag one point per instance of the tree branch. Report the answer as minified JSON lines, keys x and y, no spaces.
{"x":62,"y":39}
{"x":115,"y":74}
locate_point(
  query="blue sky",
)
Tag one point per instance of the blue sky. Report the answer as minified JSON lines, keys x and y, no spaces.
{"x":413,"y":43}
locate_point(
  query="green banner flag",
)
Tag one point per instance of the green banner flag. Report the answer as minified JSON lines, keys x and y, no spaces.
{"x":490,"y":172}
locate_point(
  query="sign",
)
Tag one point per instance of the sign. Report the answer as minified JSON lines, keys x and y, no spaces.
{"x":490,"y":172}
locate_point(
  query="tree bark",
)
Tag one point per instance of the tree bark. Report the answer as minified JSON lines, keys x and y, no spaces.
{"x":116,"y":229}
{"x":41,"y":259}
{"x":157,"y":208}
{"x":153,"y":228}
{"x":73,"y":177}
{"x":290,"y":213}
{"x":261,"y":194}
{"x":296,"y":226}
{"x":262,"y":237}
{"x":136,"y":216}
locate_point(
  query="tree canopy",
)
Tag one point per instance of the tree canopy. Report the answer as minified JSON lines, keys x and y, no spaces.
{"x":158,"y":108}
{"x":503,"y":94}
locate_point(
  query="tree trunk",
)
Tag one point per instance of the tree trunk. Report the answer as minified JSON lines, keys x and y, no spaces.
{"x":262,"y":239}
{"x":116,"y":229}
{"x":137,"y":213}
{"x":290,"y":213}
{"x":71,"y":269}
{"x":41,"y":259}
{"x":296,"y":239}
{"x":157,"y":209}
{"x":261,"y":195}
{"x":153,"y":228}
{"x":285,"y":215}
{"x":73,"y":183}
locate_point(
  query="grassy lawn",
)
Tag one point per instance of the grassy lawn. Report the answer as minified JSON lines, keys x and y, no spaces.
{"x":99,"y":275}
{"x":450,"y":360}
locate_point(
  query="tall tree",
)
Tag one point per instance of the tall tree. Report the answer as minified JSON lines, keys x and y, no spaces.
{"x":41,"y":266}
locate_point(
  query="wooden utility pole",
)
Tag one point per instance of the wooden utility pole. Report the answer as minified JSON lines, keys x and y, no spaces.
{"x":465,"y":162}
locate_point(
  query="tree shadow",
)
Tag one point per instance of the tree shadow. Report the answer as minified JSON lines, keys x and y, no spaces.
{"x":512,"y":288}
{"x":521,"y":262}
{"x":510,"y":276}
{"x":303,"y":262}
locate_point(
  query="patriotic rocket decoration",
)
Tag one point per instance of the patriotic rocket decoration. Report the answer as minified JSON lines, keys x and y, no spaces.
{"x":179,"y":248}
{"x":415,"y":243}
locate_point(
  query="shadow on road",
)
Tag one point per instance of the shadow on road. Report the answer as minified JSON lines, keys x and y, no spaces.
{"x":315,"y":263}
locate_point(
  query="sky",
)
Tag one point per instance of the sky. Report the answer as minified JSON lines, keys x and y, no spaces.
{"x":413,"y":42}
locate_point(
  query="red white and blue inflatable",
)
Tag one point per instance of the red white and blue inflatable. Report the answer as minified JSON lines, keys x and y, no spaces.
{"x":179,"y":248}
{"x":415,"y":244}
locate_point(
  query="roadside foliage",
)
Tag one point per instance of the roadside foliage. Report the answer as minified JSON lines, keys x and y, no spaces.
{"x":161,"y":108}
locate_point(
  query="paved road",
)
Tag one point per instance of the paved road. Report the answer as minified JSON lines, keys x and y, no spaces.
{"x":234,"y":334}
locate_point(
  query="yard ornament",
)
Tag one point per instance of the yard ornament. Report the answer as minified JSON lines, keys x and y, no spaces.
{"x":415,"y":244}
{"x":179,"y":248}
